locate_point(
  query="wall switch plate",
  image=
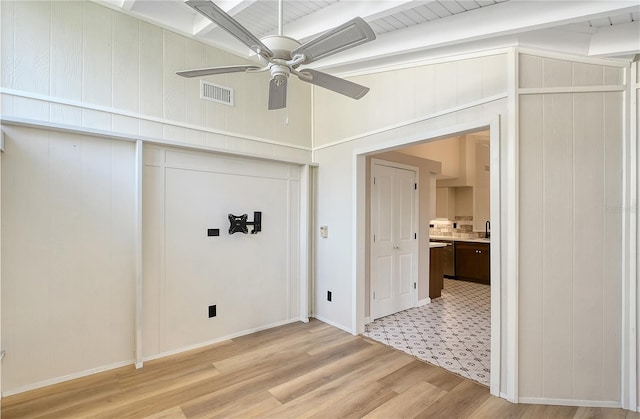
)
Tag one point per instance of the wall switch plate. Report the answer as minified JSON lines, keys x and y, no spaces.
{"x":213,"y":232}
{"x":324,"y":231}
{"x":212,"y":311}
{"x":329,"y":295}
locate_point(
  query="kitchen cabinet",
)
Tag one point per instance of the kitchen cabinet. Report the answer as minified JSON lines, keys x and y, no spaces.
{"x":448,"y":264}
{"x":446,"y":203}
{"x":436,"y":273}
{"x":454,"y":201}
{"x":473,"y":261}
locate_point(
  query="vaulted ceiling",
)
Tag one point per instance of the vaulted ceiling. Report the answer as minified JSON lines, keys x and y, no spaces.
{"x":413,"y":30}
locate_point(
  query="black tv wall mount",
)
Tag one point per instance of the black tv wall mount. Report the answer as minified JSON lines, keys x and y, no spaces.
{"x":239,"y":223}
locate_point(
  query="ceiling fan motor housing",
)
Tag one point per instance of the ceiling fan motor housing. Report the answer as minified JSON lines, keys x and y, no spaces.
{"x":281,"y":46}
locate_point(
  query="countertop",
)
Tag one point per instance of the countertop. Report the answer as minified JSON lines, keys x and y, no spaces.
{"x":436,"y":244}
{"x":460,"y":239}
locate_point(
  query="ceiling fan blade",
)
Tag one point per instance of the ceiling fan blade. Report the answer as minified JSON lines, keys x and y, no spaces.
{"x":338,"y":85}
{"x":219,"y":16}
{"x":217,"y":70}
{"x":277,"y":93}
{"x":348,"y":35}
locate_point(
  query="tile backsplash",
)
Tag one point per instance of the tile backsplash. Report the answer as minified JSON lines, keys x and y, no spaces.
{"x":461,"y":227}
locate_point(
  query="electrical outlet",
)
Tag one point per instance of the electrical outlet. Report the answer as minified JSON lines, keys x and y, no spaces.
{"x":212,"y":311}
{"x":329,"y":296}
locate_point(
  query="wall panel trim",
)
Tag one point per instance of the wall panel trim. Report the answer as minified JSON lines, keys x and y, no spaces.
{"x":306,"y":235}
{"x":434,"y":115}
{"x":139,"y":321}
{"x":512,"y":233}
{"x":53,"y":126}
{"x":630,"y":316}
{"x":114,"y":111}
{"x":572,"y":89}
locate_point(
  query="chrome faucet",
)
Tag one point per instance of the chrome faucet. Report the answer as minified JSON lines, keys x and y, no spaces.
{"x":487,"y":227}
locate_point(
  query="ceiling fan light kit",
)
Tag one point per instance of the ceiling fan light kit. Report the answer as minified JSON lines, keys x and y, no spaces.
{"x":282,"y":55}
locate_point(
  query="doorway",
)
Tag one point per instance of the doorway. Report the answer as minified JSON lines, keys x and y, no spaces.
{"x":361,"y":155}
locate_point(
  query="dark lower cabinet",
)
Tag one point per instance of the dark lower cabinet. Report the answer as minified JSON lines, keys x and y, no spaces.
{"x":473,"y":261}
{"x":436,"y":275}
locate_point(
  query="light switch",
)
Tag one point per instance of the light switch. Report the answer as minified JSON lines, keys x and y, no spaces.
{"x":324,"y":231}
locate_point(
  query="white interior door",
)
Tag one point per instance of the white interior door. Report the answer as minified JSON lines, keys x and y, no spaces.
{"x":394,"y":244}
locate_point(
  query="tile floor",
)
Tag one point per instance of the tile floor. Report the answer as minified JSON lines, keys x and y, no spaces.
{"x":453,"y":331}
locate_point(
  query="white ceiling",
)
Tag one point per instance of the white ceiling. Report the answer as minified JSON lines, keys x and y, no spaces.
{"x":413,"y":30}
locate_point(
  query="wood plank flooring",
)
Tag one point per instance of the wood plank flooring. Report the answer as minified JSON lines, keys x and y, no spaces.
{"x":297,"y":370}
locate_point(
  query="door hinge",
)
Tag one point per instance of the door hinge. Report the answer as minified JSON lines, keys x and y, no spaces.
{"x":374,"y":237}
{"x":415,"y":286}
{"x":415,"y":236}
{"x":374,"y":295}
{"x":415,"y":186}
{"x":374,"y":181}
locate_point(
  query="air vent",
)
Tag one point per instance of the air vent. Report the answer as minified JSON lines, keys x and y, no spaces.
{"x":216,"y":93}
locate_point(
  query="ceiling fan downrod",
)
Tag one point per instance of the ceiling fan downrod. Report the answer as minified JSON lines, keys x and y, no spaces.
{"x":280,"y":18}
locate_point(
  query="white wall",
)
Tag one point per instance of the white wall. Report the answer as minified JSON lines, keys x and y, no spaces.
{"x":427,"y":100}
{"x":254,"y":280}
{"x":404,"y":94}
{"x":570,"y":251}
{"x":75,"y":69}
{"x":83,"y":65}
{"x":67,"y":255}
{"x":570,"y":185}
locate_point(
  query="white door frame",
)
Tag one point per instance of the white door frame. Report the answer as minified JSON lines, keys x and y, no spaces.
{"x":360,"y":205}
{"x":414,"y":222}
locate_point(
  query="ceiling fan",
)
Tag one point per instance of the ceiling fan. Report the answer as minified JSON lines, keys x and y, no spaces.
{"x":282,"y":55}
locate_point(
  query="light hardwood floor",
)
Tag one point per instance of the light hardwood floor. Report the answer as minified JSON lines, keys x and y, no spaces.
{"x":297,"y":370}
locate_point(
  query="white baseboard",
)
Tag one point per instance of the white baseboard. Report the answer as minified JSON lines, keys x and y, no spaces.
{"x":67,"y":377}
{"x":570,"y":402}
{"x":424,"y":302}
{"x":218,"y":340}
{"x":331,"y":323}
